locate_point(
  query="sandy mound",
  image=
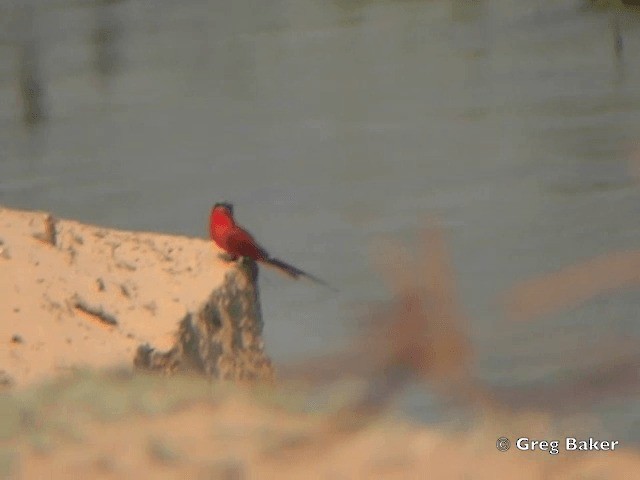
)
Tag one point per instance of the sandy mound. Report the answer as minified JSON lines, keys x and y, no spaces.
{"x":74,"y":295}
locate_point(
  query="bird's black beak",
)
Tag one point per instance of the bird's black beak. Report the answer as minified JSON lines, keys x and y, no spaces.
{"x":228,"y":206}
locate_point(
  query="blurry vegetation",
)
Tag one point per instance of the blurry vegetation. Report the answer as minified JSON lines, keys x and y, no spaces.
{"x":60,"y":408}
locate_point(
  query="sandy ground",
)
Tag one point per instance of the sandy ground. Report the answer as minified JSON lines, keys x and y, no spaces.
{"x":122,"y":426}
{"x":75,"y":295}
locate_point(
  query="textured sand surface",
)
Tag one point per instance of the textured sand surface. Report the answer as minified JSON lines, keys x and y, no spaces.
{"x":75,"y":295}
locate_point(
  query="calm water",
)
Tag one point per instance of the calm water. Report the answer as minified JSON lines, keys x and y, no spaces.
{"x":330,"y":124}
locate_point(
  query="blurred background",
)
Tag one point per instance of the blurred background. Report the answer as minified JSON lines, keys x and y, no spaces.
{"x":331,"y":124}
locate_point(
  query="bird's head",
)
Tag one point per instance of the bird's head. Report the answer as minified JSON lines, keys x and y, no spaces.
{"x":223,"y":207}
{"x":221,"y":218}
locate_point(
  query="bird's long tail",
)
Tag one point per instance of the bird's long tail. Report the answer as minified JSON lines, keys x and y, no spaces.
{"x":293,"y":271}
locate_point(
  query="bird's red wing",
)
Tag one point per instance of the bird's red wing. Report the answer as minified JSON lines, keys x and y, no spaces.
{"x":240,"y":242}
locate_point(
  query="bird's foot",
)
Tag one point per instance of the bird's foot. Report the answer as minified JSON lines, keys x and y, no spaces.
{"x":227,"y":257}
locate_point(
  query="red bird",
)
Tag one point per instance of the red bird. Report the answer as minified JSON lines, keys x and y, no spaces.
{"x":237,"y":242}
